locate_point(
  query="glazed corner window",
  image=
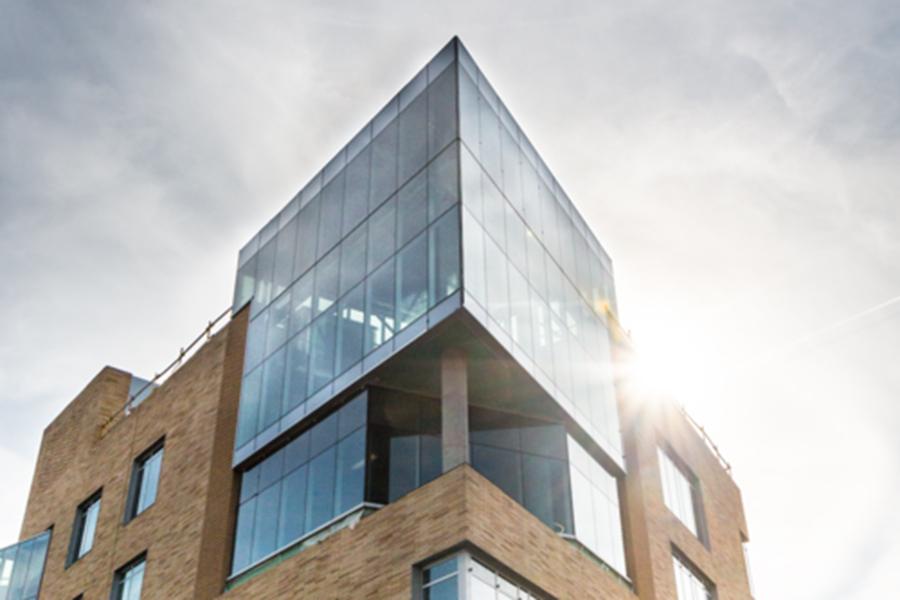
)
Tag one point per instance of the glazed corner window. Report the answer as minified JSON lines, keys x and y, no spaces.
{"x":690,"y":583}
{"x":84,"y":528}
{"x":144,"y":481}
{"x":463,"y":576}
{"x":129,"y":579}
{"x":681,"y":492}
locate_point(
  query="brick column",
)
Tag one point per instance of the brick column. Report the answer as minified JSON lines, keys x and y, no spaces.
{"x":454,"y":409}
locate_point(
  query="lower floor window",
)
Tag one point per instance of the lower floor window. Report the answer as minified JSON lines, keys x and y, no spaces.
{"x":690,"y":583}
{"x":129,"y":580}
{"x":464,"y":577}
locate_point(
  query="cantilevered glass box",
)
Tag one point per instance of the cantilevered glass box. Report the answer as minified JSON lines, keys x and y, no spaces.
{"x":438,"y":226}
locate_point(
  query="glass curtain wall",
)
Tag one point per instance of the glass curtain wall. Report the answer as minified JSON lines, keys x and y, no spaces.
{"x":527,"y":460}
{"x":358,"y":264}
{"x":463,"y":576}
{"x":372,"y":450}
{"x":535,"y":276}
{"x":595,"y":504}
{"x":21,"y":568}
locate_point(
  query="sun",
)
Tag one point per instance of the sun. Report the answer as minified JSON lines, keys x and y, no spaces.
{"x":669,"y":365}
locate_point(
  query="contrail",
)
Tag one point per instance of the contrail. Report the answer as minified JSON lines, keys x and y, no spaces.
{"x":810,"y":337}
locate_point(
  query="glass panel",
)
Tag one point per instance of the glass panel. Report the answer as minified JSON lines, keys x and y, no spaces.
{"x":296,"y":452}
{"x":353,"y":259}
{"x":285,"y":245}
{"x":512,"y":179}
{"x":412,"y":208}
{"x":89,"y":527}
{"x":356,"y":202}
{"x":297,"y":368}
{"x":445,"y":590}
{"x":468,"y":114}
{"x":272,"y":390}
{"x":546,"y":491}
{"x":439,"y":570}
{"x":481,"y":590}
{"x":405,"y":450}
{"x":381,"y":234}
{"x":307,"y":237}
{"x":245,"y":285}
{"x":320,"y":492}
{"x":413,"y":128}
{"x":132,"y":581}
{"x":249,"y":408}
{"x":279,"y":321}
{"x":441,"y":111}
{"x":494,"y":212}
{"x":443,"y":251}
{"x":380,"y":306}
{"x":443,"y":182}
{"x":352,"y":415}
{"x":520,"y":316}
{"x":256,"y":341}
{"x":473,"y":249}
{"x":265,"y":265}
{"x":502,"y":467}
{"x":351,"y":317}
{"x":412,"y":281}
{"x":404,"y":465}
{"x":324,"y":434}
{"x":471,"y":184}
{"x":497,"y":291}
{"x":243,"y":536}
{"x":384,"y":165}
{"x":332,"y":201}
{"x":302,"y":302}
{"x":327,"y":281}
{"x":293,"y":506}
{"x":322,"y":342}
{"x":515,"y":239}
{"x":490,"y":141}
{"x":265,"y":526}
{"x":149,"y":481}
{"x":351,"y":463}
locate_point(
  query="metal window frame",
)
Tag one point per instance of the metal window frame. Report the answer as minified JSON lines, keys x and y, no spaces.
{"x":466,"y":555}
{"x":702,"y":533}
{"x":72,"y":555}
{"x":136,"y":481}
{"x":119,"y":575}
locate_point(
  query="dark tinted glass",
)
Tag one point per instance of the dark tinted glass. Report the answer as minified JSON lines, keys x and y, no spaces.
{"x":351,"y":462}
{"x":320,"y":494}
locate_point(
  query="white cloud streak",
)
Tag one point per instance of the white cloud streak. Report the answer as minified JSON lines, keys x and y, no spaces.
{"x":738,"y":160}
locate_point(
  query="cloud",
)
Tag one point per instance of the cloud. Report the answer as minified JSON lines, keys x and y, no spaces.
{"x":738,"y":160}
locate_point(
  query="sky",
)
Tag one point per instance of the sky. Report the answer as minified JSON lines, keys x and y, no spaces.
{"x":740,"y":161}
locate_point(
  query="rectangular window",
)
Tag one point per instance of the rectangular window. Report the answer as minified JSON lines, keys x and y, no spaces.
{"x":84,"y":528}
{"x":144,"y":481}
{"x":315,"y":478}
{"x":681,"y":492}
{"x":129,"y":579}
{"x":690,"y":583}
{"x":464,"y":576}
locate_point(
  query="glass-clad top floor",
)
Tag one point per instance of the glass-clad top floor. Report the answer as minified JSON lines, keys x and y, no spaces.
{"x":22,"y":567}
{"x":439,"y":204}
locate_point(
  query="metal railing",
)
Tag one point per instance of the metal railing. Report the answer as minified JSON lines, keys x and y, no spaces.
{"x":183,"y":353}
{"x":707,"y":439}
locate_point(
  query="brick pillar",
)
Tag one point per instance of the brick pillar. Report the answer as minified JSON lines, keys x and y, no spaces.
{"x":454,"y":409}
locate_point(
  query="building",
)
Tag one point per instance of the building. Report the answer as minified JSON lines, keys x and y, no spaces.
{"x":414,"y":397}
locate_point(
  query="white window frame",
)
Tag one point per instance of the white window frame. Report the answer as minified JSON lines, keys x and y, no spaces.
{"x":671,"y":468}
{"x":467,"y":569}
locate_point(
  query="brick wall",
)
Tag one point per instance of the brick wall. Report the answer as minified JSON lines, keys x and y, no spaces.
{"x":187,"y":533}
{"x":79,"y":454}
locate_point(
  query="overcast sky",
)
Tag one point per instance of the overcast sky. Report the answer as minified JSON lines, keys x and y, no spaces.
{"x":740,"y":161}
